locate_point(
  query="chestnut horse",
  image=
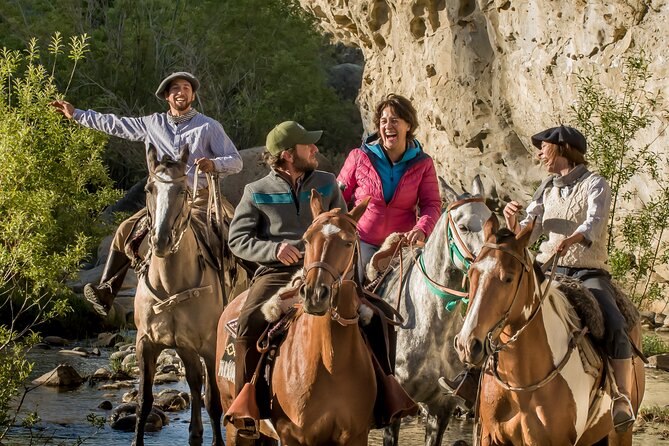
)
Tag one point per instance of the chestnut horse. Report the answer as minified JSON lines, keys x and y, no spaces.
{"x":536,"y":386}
{"x":179,"y":297}
{"x":323,"y":381}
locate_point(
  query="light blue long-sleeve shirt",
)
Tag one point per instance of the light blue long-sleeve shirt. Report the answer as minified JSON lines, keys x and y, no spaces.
{"x":205,"y":138}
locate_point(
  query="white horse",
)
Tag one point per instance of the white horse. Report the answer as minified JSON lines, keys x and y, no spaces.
{"x":425,"y":341}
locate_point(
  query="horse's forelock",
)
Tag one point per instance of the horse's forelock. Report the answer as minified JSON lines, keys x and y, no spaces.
{"x":504,"y":235}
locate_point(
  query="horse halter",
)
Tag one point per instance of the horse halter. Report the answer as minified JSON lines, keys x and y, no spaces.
{"x":492,"y":345}
{"x":457,"y":248}
{"x":178,"y":233}
{"x":339,"y":278}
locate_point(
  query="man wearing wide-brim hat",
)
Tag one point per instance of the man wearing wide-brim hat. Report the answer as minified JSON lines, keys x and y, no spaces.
{"x":211,"y":150}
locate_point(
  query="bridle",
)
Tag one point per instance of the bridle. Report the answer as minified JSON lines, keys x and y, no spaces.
{"x":178,"y":231}
{"x":339,"y":278}
{"x":495,"y":348}
{"x":456,"y":249}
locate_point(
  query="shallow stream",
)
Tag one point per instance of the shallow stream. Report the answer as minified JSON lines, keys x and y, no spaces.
{"x":63,"y":413}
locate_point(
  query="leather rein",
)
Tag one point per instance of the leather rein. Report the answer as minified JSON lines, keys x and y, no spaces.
{"x":339,"y":278}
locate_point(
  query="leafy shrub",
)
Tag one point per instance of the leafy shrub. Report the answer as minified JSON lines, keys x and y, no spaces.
{"x":611,"y":120}
{"x":53,"y":185}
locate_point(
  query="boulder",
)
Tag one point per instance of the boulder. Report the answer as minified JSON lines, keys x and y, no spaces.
{"x":63,"y":376}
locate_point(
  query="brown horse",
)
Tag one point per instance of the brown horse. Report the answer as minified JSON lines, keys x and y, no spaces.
{"x":179,"y":297}
{"x":538,"y":387}
{"x":323,"y":383}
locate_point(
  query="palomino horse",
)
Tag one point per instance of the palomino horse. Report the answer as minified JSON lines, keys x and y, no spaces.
{"x":425,"y":289}
{"x":323,"y":383}
{"x":536,"y":386}
{"x":179,"y":297}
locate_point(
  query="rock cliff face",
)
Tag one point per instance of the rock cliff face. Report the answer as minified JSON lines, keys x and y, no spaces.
{"x":485,"y":75}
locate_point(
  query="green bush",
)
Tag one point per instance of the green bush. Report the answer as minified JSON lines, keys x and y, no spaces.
{"x":53,"y":185}
{"x":652,"y":345}
{"x":260,"y":62}
{"x":611,"y":120}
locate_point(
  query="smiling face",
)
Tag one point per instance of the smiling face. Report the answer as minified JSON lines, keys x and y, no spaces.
{"x":393,"y":130}
{"x":179,"y":96}
{"x":549,"y":155}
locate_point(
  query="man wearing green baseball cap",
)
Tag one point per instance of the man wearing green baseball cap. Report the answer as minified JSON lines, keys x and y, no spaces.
{"x":211,"y":150}
{"x":267,"y":228}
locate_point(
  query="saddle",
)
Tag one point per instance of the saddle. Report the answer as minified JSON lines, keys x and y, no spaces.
{"x":387,"y":256}
{"x":588,"y":309}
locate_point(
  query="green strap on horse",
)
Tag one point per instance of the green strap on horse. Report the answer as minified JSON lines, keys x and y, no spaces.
{"x":450,"y":299}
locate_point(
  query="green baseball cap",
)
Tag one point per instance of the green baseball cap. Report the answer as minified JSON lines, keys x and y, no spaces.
{"x":287,"y":135}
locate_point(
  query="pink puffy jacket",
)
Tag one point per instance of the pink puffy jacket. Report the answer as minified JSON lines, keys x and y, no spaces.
{"x":417,"y":190}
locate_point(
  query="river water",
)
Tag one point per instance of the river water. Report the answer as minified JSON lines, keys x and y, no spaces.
{"x":63,"y":413}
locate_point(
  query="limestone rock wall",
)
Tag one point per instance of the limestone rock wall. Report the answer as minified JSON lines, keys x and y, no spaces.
{"x":485,"y":75}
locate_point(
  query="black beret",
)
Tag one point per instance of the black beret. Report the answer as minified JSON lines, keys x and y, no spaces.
{"x":561,"y":135}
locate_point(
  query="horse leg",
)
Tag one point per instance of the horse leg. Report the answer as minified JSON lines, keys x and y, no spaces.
{"x":391,"y":434}
{"x":193,"y":368}
{"x":434,"y":429}
{"x":147,"y":355}
{"x":212,"y":399}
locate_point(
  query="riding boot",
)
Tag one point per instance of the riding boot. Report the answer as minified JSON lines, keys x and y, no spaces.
{"x":622,"y":412}
{"x":243,"y":412}
{"x":101,"y":296}
{"x":392,"y":401}
{"x":465,"y":385}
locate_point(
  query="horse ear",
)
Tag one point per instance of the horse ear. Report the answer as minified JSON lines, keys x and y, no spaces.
{"x":184,"y":153}
{"x":316,"y":203}
{"x":524,"y":235}
{"x":360,"y":209}
{"x":490,"y":227}
{"x":448,"y":195}
{"x":477,"y":186}
{"x":151,"y":157}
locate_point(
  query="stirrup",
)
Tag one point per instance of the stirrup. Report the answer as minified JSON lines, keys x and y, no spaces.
{"x":91,"y":294}
{"x":622,"y":420}
{"x":247,"y":428}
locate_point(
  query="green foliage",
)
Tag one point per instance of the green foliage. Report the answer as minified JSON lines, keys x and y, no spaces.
{"x":260,"y":62}
{"x":652,"y":345}
{"x":53,"y":185}
{"x":611,"y":120}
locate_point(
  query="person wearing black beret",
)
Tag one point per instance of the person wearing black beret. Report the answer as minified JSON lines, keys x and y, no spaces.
{"x":571,"y":208}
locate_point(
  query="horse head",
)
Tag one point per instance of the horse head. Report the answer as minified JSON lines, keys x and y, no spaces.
{"x":331,"y":245}
{"x":501,"y":293}
{"x":167,"y":200}
{"x":466,"y":213}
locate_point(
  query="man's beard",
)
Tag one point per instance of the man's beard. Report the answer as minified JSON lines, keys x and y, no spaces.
{"x":304,"y":165}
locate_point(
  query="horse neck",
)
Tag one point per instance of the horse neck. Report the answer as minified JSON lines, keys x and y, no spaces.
{"x":544,"y":340}
{"x":179,"y":270}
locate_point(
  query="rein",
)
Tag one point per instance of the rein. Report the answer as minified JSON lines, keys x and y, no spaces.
{"x":339,"y":278}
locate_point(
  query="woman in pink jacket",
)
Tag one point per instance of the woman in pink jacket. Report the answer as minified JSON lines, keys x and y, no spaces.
{"x":392,"y":168}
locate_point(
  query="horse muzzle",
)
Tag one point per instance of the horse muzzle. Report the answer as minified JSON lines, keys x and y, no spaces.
{"x":161,"y":246}
{"x":315,"y":299}
{"x":471,"y":351}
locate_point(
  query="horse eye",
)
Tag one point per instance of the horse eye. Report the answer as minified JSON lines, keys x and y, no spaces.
{"x":507,"y":278}
{"x":463,"y":228}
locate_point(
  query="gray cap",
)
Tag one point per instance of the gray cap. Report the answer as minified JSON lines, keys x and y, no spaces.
{"x":560,"y":136}
{"x":164,"y":85}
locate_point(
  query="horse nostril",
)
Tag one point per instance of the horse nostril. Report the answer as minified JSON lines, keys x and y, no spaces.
{"x":476,"y":350}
